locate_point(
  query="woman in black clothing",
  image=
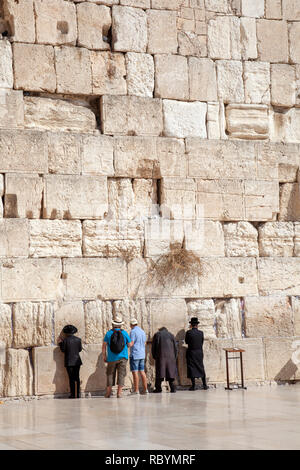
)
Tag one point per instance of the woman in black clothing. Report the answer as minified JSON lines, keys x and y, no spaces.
{"x":194,"y":356}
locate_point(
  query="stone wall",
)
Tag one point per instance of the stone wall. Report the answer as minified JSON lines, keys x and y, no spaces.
{"x":128,"y":126}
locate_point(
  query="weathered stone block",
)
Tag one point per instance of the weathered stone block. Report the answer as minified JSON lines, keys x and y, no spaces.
{"x":273,"y":9}
{"x":291,"y":10}
{"x":228,"y":318}
{"x":135,"y":157}
{"x":295,"y":303}
{"x":285,"y":126}
{"x":94,"y":22}
{"x":5,"y":326}
{"x":6,"y":69}
{"x":75,"y":197}
{"x":18,"y":380}
{"x":136,"y":3}
{"x":97,"y":155}
{"x":171,"y":157}
{"x":218,"y":34}
{"x":93,"y":278}
{"x":247,"y":121}
{"x":184,"y":119}
{"x":160,"y":234}
{"x":204,"y":237}
{"x":108,"y":73}
{"x":288,"y":159}
{"x":170,"y":313}
{"x":289,"y":202}
{"x":191,"y":44}
{"x":281,"y":358}
{"x":272,"y":37}
{"x":67,"y":313}
{"x":14,"y":240}
{"x":32,"y":324}
{"x":98,"y":317}
{"x":202,"y":79}
{"x":276,"y":275}
{"x":253,"y":8}
{"x":129,"y":29}
{"x":248,"y":38}
{"x":64,"y":153}
{"x":240,"y":239}
{"x":297,"y":242}
{"x":23,"y":196}
{"x":294,"y":36}
{"x":34,"y":68}
{"x":178,"y":198}
{"x":73,"y":70}
{"x":162,"y":32}
{"x":31,"y":280}
{"x":16,"y":145}
{"x":140,"y":74}
{"x":131,"y":115}
{"x":205,"y":311}
{"x":230,"y":81}
{"x":55,"y":22}
{"x":221,"y":199}
{"x":213,"y":120}
{"x":165,"y":4}
{"x":276,"y":239}
{"x":268,"y":316}
{"x":20,"y":16}
{"x":283,"y":85}
{"x":171,"y":77}
{"x":261,"y":200}
{"x":257,"y":82}
{"x":55,"y":238}
{"x":11,"y":109}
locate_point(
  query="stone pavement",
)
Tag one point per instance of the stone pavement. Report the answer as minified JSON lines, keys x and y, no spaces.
{"x":258,"y":418}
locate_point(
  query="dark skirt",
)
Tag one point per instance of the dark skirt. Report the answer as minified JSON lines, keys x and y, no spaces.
{"x":194,"y":361}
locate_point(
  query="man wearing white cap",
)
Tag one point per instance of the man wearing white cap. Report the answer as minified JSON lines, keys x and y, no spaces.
{"x":137,"y":356}
{"x":115,"y":352}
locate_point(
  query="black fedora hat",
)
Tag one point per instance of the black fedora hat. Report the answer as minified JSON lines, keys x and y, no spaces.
{"x":70,"y":329}
{"x":194,"y":321}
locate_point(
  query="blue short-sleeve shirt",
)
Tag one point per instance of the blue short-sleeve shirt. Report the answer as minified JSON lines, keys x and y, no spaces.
{"x":138,"y":349}
{"x":123,"y":354}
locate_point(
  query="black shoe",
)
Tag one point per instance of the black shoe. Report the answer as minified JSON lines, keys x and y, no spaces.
{"x":205,"y":387}
{"x":157,"y":391}
{"x":72,"y":396}
{"x":192,"y":388}
{"x":172,"y":389}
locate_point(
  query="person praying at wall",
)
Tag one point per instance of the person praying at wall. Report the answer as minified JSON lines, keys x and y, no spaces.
{"x":164,"y":351}
{"x":71,"y":346}
{"x":194,"y":355}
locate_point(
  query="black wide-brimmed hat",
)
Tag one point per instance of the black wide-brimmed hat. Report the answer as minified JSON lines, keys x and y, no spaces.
{"x":194,"y":321}
{"x":70,"y":329}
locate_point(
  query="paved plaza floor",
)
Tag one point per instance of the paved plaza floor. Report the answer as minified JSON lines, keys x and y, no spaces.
{"x":257,"y":418}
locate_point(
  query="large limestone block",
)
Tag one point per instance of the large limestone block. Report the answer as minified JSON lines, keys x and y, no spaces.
{"x":272,"y":37}
{"x":55,"y":22}
{"x":230,"y":81}
{"x":213,"y":120}
{"x":218,"y":6}
{"x":140,"y":74}
{"x":248,"y":38}
{"x":297,"y":240}
{"x":18,"y":380}
{"x":16,"y":145}
{"x":92,"y":278}
{"x":108,"y":73}
{"x":288,"y":161}
{"x":257,"y":82}
{"x":171,"y":157}
{"x":94,"y":22}
{"x":6,"y":69}
{"x":228,"y":318}
{"x":228,"y":277}
{"x":161,"y":234}
{"x":32,"y":324}
{"x":282,"y":358}
{"x":291,"y":10}
{"x":273,"y":9}
{"x":202,"y":79}
{"x":97,"y":155}
{"x":23,"y":196}
{"x":285,"y":126}
{"x":112,"y":238}
{"x":131,"y":115}
{"x":162,"y":32}
{"x":261,"y":200}
{"x":218,"y":38}
{"x":204,"y":310}
{"x":277,"y":275}
{"x":11,"y":109}
{"x":135,"y":157}
{"x":253,"y":358}
{"x":136,"y":3}
{"x":283,"y":85}
{"x":64,"y":149}
{"x":75,"y":197}
{"x":14,"y":239}
{"x":247,"y":121}
{"x":289,"y":202}
{"x":129,"y":29}
{"x":294,"y":36}
{"x":5,"y":327}
{"x":204,"y":237}
{"x":128,"y":309}
{"x":170,"y":313}
{"x":34,"y":68}
{"x":66,"y":313}
{"x":268,"y":316}
{"x":184,"y":119}
{"x":165,"y":4}
{"x":57,"y":238}
{"x":253,"y":8}
{"x":98,"y":317}
{"x":295,"y":302}
{"x":60,"y":115}
{"x":240,"y":239}
{"x":73,"y":70}
{"x":171,"y":77}
{"x":220,"y":199}
{"x":50,"y":375}
{"x":93,"y":375}
{"x":276,"y":239}
{"x":20,"y":16}
{"x":191,"y":44}
{"x":31,"y":280}
{"x":178,"y":198}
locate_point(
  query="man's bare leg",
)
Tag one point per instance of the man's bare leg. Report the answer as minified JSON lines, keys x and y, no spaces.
{"x":144,"y":380}
{"x":135,"y":376}
{"x":108,"y":392}
{"x":119,"y":394}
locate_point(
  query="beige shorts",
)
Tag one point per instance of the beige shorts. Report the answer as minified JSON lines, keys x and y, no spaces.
{"x":113,"y":368}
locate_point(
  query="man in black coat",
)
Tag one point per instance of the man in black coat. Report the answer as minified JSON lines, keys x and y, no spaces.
{"x":164,"y":351}
{"x":194,"y":356}
{"x":71,"y":346}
